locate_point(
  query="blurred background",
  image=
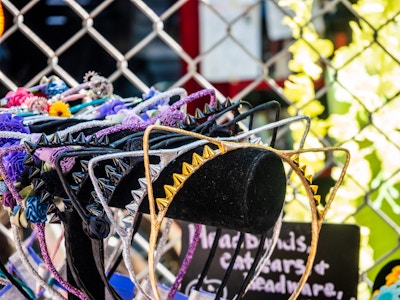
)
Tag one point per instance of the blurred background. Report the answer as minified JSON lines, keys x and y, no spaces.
{"x":337,"y":61}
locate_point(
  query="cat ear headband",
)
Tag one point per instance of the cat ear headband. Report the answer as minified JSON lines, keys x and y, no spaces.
{"x":166,"y":156}
{"x":289,"y":156}
{"x":111,"y":217}
{"x":130,"y":207}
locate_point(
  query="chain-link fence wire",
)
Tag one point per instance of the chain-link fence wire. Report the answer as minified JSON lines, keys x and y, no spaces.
{"x":136,"y":44}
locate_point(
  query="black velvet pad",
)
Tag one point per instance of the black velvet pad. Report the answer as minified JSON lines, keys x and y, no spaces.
{"x":243,"y":190}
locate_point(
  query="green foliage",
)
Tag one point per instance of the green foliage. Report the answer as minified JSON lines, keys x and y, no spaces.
{"x":363,"y":100}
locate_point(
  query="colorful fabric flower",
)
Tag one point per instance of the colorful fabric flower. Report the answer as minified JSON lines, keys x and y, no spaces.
{"x":132,"y":118}
{"x":18,"y":217}
{"x":152,"y":92}
{"x":59,"y":109}
{"x":109,"y":108}
{"x":10,"y":123}
{"x":37,"y":104}
{"x":145,"y":116}
{"x":35,"y":211}
{"x":13,"y":163}
{"x":66,"y":163}
{"x":8,"y":142}
{"x":3,"y":187}
{"x":18,"y":97}
{"x":54,"y":87}
{"x":97,"y":228}
{"x":8,"y":200}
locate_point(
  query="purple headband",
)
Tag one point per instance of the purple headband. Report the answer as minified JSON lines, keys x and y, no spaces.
{"x":139,"y":126}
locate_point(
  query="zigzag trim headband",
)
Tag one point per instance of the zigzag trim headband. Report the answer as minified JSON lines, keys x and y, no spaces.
{"x":289,"y":156}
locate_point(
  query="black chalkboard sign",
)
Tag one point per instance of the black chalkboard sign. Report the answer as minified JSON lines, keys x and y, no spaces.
{"x":334,"y":275}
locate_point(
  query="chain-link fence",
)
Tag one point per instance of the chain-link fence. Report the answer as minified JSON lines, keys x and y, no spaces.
{"x":240,"y":49}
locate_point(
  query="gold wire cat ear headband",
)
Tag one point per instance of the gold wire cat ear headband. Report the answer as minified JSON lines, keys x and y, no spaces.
{"x":291,"y":157}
